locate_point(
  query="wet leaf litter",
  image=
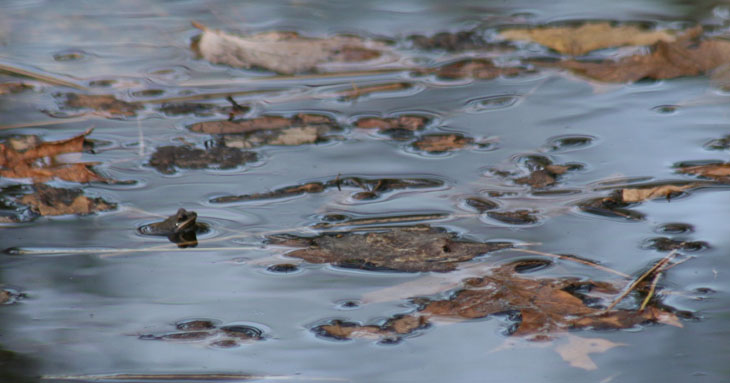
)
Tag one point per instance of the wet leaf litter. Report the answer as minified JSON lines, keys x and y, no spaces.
{"x":537,"y":308}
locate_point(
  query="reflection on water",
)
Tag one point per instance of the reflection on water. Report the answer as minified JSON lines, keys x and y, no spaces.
{"x":530,"y":159}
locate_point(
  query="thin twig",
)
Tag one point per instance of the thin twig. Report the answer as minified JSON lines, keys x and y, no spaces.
{"x":638,"y":280}
{"x":652,"y":289}
{"x":578,"y":260}
{"x":40,"y":77}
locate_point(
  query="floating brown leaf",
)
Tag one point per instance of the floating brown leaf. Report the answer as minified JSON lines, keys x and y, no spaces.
{"x":538,"y":306}
{"x":411,"y":123}
{"x":579,"y":40}
{"x":437,"y":143}
{"x":388,"y":331}
{"x":409,"y":249}
{"x":166,"y":158}
{"x":372,"y":188}
{"x":474,"y":68}
{"x":452,"y":42}
{"x":684,"y":57}
{"x":103,"y":103}
{"x":48,"y":201}
{"x":718,"y":172}
{"x":28,"y":157}
{"x":284,"y":52}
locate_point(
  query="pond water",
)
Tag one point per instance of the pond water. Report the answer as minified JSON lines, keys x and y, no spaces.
{"x":92,"y":287}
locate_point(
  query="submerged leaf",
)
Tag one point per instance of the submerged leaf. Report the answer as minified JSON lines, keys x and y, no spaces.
{"x":166,"y":158}
{"x":582,"y":39}
{"x":104,"y":103}
{"x":438,"y":143}
{"x":13,"y":87}
{"x":409,"y":249}
{"x":284,"y":52}
{"x":49,"y":201}
{"x":577,"y":350}
{"x":482,"y":69}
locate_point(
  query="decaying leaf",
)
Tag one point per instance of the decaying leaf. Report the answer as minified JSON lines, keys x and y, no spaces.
{"x":409,"y":249}
{"x":198,"y":109}
{"x":438,"y":143}
{"x":576,"y":351}
{"x":390,"y":331}
{"x":662,"y":191}
{"x":208,"y":330}
{"x":669,"y":244}
{"x":452,"y":42}
{"x":610,"y":206}
{"x":49,"y":201}
{"x":579,"y":40}
{"x":28,"y":157}
{"x":543,"y":172}
{"x":538,"y":307}
{"x":719,"y":172}
{"x":399,"y":128}
{"x":270,"y":130}
{"x":480,"y":204}
{"x":372,"y":188}
{"x":517,"y":217}
{"x":284,"y":52}
{"x":103,"y":103}
{"x":683,"y":57}
{"x":166,"y":158}
{"x":482,"y":69}
{"x":13,"y":87}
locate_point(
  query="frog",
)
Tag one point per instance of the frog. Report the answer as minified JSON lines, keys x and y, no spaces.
{"x":179,"y":228}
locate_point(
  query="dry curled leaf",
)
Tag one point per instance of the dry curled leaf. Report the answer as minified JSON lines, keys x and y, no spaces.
{"x":284,"y":52}
{"x":103,"y":103}
{"x":579,"y":40}
{"x":166,"y":158}
{"x":409,"y":249}
{"x":718,"y":172}
{"x":49,"y":201}
{"x":630,"y":195}
{"x":28,"y":157}
{"x":684,"y":57}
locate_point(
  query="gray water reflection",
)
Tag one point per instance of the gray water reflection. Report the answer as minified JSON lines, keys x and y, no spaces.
{"x":84,"y":311}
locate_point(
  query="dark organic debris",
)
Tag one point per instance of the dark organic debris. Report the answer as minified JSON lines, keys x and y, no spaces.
{"x":283,"y":268}
{"x":481,"y":204}
{"x":332,"y":222}
{"x":482,"y":69}
{"x":180,"y":228}
{"x":29,"y":157}
{"x":669,"y":244}
{"x":10,"y":296}
{"x":166,"y":158}
{"x":399,"y":128}
{"x":451,"y":42}
{"x":270,"y":130}
{"x":537,"y":308}
{"x":409,"y":249}
{"x":206,"y":329}
{"x":373,"y":188}
{"x":198,"y":109}
{"x":543,"y":172}
{"x":612,"y":205}
{"x":517,"y":217}
{"x":50,"y":201}
{"x":719,"y":143}
{"x":438,"y":143}
{"x":103,"y":103}
{"x":13,"y":87}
